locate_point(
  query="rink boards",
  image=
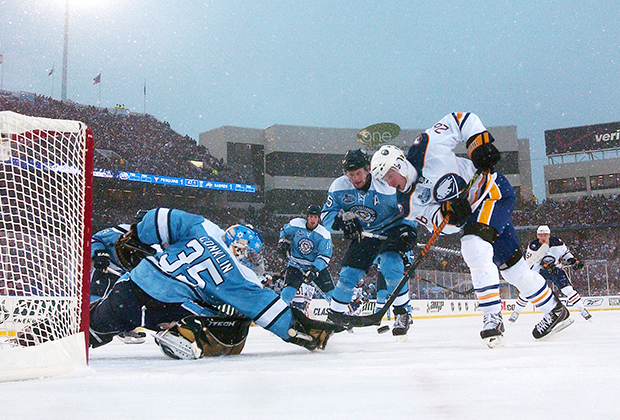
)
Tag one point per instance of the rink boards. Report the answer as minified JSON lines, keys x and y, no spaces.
{"x":421,"y":308}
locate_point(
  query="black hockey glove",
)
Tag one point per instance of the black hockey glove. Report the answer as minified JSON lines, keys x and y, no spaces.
{"x":349,"y":224}
{"x":402,"y":238}
{"x":482,"y":152}
{"x":458,"y":210}
{"x":548,"y":263}
{"x":311,"y":275}
{"x":101,"y":259}
{"x":574,"y":263}
{"x":284,"y":250}
{"x":130,"y":250}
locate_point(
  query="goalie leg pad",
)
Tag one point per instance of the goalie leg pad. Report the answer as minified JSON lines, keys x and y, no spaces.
{"x":212,"y":336}
{"x":175,"y":346}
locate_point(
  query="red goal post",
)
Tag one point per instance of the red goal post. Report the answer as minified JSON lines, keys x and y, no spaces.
{"x":46,"y":168}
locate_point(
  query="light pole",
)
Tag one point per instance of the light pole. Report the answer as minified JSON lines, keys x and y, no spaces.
{"x":65,"y":53}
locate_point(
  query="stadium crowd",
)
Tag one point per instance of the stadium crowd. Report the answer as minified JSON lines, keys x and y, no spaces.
{"x":140,"y":143}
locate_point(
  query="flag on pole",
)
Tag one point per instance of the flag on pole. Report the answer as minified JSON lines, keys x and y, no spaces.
{"x":97,"y":79}
{"x":144,"y":88}
{"x":51,"y":71}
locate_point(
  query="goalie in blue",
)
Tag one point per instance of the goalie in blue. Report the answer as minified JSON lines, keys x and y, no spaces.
{"x":199,"y":268}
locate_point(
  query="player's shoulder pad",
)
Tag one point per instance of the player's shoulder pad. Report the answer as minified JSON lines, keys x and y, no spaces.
{"x":298,"y":222}
{"x":322,"y":230}
{"x":382,"y":187}
{"x":555,"y":241}
{"x":341,"y":183}
{"x":535,"y":245}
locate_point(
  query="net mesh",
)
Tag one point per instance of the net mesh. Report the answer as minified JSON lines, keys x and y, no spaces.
{"x":42,"y":190}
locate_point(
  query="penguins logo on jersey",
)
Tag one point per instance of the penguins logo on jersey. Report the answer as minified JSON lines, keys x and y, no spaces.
{"x":366,"y":215}
{"x":305,"y":246}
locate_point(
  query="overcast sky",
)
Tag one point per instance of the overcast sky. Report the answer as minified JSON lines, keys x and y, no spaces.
{"x":538,"y":65}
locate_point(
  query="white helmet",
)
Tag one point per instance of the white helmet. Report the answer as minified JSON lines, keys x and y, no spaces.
{"x":544,"y":229}
{"x":391,"y":157}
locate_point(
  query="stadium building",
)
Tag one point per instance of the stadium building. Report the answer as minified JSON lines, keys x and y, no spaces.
{"x":293,"y":166}
{"x":582,"y":161}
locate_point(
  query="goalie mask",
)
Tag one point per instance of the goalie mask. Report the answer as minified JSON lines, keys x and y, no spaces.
{"x":391,"y":157}
{"x":246,"y":244}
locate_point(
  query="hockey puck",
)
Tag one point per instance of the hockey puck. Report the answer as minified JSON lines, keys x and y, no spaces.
{"x":383,"y":329}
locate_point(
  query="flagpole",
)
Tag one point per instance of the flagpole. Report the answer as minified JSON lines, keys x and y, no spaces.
{"x":144,"y":107}
{"x":2,"y":77}
{"x":100,"y":92}
{"x":65,"y":55}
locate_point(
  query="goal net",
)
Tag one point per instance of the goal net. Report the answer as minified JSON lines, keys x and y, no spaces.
{"x":45,"y":212}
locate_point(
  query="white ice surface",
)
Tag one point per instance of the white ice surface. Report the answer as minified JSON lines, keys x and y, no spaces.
{"x":443,"y":371}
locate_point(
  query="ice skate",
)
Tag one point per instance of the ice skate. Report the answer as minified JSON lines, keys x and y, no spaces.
{"x":513,"y":317}
{"x":133,"y":337}
{"x":585,"y":314}
{"x":555,"y":321}
{"x":401,"y":326}
{"x":493,"y":330}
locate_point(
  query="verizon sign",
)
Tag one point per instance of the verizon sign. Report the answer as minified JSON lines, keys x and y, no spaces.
{"x":583,"y":139}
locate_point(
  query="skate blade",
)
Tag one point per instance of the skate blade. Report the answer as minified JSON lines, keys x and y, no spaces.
{"x":133,"y":340}
{"x":567,"y":322}
{"x":401,"y":338}
{"x":495,"y":341}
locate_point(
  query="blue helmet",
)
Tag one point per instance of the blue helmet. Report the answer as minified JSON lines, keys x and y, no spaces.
{"x":246,"y":244}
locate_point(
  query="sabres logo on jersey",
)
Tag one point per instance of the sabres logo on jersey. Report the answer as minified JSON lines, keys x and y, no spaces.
{"x":306,"y":246}
{"x":366,"y":215}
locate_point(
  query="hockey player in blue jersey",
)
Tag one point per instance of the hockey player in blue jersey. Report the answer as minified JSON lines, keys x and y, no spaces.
{"x":199,"y":265}
{"x":430,"y":179}
{"x":306,"y":246}
{"x":362,"y":208}
{"x":549,"y":256}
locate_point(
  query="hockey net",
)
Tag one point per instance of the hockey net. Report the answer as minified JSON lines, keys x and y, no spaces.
{"x":45,"y":212}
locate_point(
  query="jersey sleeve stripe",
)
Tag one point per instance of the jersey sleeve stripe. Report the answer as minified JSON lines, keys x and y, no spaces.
{"x":163,"y":227}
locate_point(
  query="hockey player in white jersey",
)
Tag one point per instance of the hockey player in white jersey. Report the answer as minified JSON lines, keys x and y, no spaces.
{"x":199,"y":267}
{"x":550,"y":265}
{"x":306,"y":247}
{"x":430,"y":179}
{"x":357,"y":203}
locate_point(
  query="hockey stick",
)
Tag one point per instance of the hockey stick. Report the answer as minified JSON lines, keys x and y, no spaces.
{"x":375,"y":319}
{"x":465,"y":293}
{"x":433,"y":248}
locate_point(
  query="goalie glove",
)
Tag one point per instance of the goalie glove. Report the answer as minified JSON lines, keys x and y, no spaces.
{"x":309,"y":333}
{"x":349,"y":224}
{"x":284,"y":249}
{"x":101,"y":259}
{"x":130,"y":250}
{"x":457,"y":210}
{"x":482,"y":152}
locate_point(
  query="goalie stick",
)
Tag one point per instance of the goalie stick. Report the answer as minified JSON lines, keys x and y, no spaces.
{"x":375,"y":319}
